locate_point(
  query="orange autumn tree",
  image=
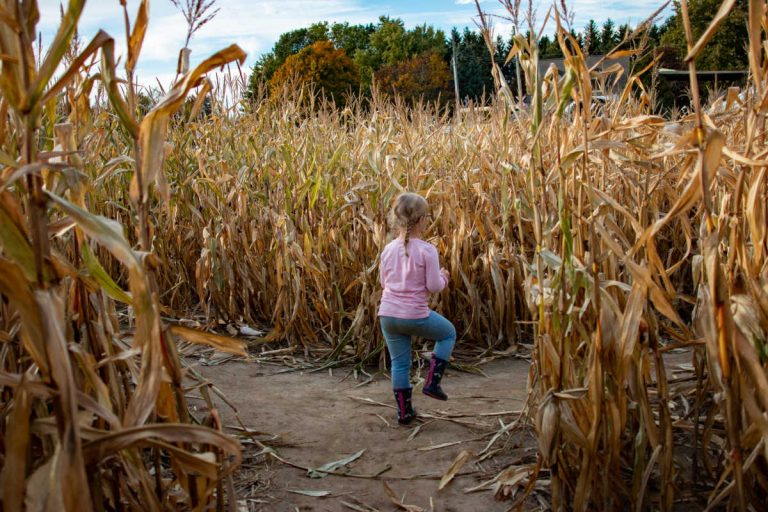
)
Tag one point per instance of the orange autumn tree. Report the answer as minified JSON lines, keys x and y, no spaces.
{"x":328,"y":68}
{"x":425,"y":76}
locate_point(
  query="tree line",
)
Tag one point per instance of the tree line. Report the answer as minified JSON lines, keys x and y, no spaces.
{"x":418,"y":63}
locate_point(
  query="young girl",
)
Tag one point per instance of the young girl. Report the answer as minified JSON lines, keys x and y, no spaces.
{"x":409,"y":272}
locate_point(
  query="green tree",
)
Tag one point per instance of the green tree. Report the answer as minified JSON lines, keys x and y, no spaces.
{"x":579,"y":38}
{"x":656,"y":32}
{"x":391,"y":42}
{"x":622,"y":34}
{"x":508,"y":70}
{"x":608,"y":37}
{"x":425,"y":38}
{"x":549,"y":48}
{"x":145,"y":101}
{"x":386,"y":46}
{"x":351,"y":38}
{"x":473,"y":64}
{"x":726,"y":50}
{"x":591,"y":38}
{"x":328,"y":68}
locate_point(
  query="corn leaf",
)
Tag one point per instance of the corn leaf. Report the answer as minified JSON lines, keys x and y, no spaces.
{"x":334,"y":466}
{"x":97,"y":272}
{"x":56,"y":51}
{"x":722,"y":13}
{"x":451,"y":472}
{"x":13,"y":473}
{"x":137,"y":36}
{"x":223,"y":343}
{"x":154,"y":126}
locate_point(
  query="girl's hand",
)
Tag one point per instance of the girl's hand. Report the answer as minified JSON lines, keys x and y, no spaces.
{"x":444,"y":272}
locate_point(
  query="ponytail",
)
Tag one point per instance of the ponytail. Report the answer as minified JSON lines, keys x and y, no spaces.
{"x":407,"y":237}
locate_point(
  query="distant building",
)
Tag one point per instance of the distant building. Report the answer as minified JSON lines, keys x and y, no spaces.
{"x":602,"y":80}
{"x":729,"y":75}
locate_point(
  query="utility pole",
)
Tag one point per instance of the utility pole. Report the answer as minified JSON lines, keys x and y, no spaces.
{"x":455,"y":77}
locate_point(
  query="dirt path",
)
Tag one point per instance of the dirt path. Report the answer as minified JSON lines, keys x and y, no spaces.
{"x":321,"y":419}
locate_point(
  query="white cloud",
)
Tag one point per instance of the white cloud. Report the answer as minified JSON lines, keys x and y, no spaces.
{"x":256,"y":24}
{"x":94,"y":14}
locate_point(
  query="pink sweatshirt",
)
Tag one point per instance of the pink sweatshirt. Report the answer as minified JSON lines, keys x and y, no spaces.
{"x":408,"y":280}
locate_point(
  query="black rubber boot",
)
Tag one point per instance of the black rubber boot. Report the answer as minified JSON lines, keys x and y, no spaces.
{"x":434,"y":376}
{"x":405,"y":412}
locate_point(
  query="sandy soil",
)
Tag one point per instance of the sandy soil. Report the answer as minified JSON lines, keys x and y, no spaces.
{"x":321,"y":418}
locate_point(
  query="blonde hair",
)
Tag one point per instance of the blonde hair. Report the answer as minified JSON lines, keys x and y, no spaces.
{"x":407,"y":211}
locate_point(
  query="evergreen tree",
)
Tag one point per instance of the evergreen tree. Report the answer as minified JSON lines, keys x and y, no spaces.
{"x":578,"y":38}
{"x":608,"y":37}
{"x":591,"y":38}
{"x":424,"y":38}
{"x":623,"y":33}
{"x":473,"y":64}
{"x":728,"y":47}
{"x":508,"y":70}
{"x":549,"y":48}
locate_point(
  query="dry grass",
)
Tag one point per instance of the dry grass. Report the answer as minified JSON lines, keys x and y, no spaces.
{"x":278,"y":215}
{"x":94,"y":415}
{"x":639,"y":219}
{"x":606,"y":240}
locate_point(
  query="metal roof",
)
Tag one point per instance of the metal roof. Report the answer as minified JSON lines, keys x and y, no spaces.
{"x":725,"y":74}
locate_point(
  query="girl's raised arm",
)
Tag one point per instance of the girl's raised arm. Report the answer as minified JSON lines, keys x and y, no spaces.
{"x":436,"y":280}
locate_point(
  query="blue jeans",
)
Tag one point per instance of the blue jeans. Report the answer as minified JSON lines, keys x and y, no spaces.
{"x":397,"y":333}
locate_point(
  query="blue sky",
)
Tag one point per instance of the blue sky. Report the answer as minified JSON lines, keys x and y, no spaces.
{"x":256,"y":24}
